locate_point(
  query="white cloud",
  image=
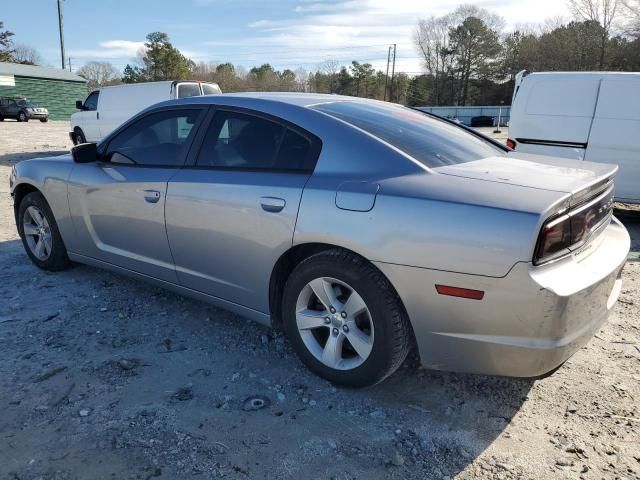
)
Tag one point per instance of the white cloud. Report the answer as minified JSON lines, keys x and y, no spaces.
{"x":361,"y":29}
{"x":125,"y":50}
{"x":110,"y":49}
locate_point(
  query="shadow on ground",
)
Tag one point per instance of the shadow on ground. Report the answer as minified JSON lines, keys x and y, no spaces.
{"x":73,"y":409}
{"x":103,"y":376}
{"x":630,"y":217}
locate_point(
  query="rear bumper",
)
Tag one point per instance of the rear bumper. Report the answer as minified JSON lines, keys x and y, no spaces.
{"x":528,"y":323}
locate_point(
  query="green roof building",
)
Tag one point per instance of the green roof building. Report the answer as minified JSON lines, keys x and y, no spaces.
{"x":52,"y":88}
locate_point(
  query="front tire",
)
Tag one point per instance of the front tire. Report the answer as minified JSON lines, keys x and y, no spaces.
{"x":344,"y":319}
{"x":79,"y":136}
{"x":44,"y":120}
{"x":40,"y":235}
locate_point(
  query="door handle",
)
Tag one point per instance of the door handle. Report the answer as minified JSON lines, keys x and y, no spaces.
{"x":151,"y":196}
{"x":272,"y":204}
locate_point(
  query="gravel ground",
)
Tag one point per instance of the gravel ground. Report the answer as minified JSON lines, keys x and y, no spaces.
{"x":106,"y":377}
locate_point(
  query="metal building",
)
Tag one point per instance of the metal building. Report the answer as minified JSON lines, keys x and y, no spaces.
{"x":52,"y":88}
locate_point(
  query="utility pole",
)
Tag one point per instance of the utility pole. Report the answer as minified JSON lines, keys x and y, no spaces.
{"x":393,"y":72}
{"x":60,"y":27}
{"x":386,"y":77}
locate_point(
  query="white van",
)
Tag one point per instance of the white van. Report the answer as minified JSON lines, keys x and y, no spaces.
{"x":592,"y":116}
{"x":108,"y":107}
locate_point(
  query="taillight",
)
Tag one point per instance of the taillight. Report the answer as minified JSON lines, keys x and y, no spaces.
{"x":555,"y":239}
{"x":511,"y":144}
{"x":571,"y":230}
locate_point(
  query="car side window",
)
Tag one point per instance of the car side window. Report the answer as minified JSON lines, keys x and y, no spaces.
{"x":244,"y":141}
{"x":158,"y":139}
{"x":91,"y":103}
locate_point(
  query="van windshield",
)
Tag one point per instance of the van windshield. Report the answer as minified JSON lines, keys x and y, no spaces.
{"x":432,"y":142}
{"x":210,"y":89}
{"x":188,"y":90}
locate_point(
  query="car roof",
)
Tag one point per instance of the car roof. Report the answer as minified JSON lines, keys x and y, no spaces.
{"x":299,"y":99}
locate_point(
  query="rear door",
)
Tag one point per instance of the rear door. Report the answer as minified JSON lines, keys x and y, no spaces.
{"x":87,"y":119}
{"x":117,"y":204}
{"x":232,"y":213}
{"x":552,"y":114}
{"x":615,"y":132}
{"x":12,"y":109}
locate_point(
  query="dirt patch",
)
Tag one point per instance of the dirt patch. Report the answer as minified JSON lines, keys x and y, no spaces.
{"x":106,"y":377}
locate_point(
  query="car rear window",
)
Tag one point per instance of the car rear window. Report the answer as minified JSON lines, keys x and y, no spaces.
{"x":432,"y":142}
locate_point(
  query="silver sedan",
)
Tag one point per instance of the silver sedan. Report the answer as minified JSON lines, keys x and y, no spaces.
{"x":361,"y":228}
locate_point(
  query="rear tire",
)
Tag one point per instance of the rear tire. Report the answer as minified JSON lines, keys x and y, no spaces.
{"x":380,"y":330}
{"x":40,"y":235}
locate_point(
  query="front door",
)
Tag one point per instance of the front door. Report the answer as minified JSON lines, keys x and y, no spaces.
{"x":117,"y":204}
{"x":232,"y":214}
{"x":88,"y":118}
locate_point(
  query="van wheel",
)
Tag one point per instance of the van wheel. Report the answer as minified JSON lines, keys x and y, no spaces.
{"x":40,"y":235}
{"x":22,"y":117}
{"x":79,"y":136}
{"x":44,"y":120}
{"x":344,"y":319}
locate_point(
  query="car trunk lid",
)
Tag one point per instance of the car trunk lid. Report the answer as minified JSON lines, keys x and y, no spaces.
{"x":582,"y":180}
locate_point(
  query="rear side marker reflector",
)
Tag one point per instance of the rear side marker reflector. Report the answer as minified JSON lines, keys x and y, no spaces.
{"x":460,"y":292}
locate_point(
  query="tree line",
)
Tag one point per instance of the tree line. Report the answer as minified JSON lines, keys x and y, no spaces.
{"x":468,"y":58}
{"x":16,"y":52}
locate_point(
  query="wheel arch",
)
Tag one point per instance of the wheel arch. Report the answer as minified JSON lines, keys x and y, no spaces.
{"x":290,"y":259}
{"x":19,"y":192}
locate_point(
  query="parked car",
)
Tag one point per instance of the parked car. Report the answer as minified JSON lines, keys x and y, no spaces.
{"x":592,"y":116}
{"x":360,"y":227}
{"x":22,"y":110}
{"x":108,"y":107}
{"x":482,"y":121}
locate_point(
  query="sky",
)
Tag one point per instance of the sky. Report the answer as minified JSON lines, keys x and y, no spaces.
{"x":285,"y":33}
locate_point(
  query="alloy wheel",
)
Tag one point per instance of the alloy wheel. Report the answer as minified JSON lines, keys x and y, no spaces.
{"x":334,"y":323}
{"x":37,"y":233}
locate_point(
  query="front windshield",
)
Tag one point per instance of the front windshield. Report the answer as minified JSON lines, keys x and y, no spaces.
{"x":27,"y":103}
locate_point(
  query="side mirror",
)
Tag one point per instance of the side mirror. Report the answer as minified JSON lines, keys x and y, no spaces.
{"x":79,"y":105}
{"x":85,"y":153}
